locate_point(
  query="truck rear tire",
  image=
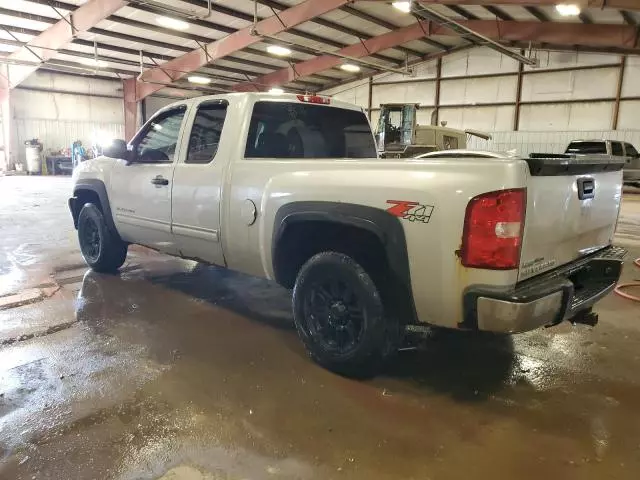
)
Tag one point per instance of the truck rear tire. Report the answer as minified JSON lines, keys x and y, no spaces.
{"x":340,"y":317}
{"x":101,"y":248}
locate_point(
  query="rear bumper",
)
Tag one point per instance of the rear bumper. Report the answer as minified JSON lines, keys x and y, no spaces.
{"x":546,"y":299}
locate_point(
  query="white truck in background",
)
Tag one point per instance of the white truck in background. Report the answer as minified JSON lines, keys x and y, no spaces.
{"x":612,"y":149}
{"x":289,"y":187}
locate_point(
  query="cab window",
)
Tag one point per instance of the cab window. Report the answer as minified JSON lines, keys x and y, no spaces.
{"x":301,"y":130}
{"x":157,"y":143}
{"x":206,"y":132}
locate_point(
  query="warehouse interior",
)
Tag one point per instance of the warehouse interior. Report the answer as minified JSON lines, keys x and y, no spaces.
{"x":177,"y":370}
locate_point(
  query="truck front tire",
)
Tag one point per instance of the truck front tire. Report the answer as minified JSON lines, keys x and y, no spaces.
{"x":339,"y":315}
{"x":103,"y":250}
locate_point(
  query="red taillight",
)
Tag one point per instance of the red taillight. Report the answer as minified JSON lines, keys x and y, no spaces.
{"x":314,"y":99}
{"x":493,"y":228}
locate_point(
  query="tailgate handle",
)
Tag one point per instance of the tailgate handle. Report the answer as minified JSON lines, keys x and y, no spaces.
{"x":586,"y":188}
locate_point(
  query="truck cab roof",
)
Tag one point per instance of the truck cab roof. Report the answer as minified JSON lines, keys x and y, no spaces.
{"x":266,"y":96}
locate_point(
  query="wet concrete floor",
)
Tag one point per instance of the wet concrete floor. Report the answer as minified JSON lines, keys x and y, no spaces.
{"x":179,"y":371}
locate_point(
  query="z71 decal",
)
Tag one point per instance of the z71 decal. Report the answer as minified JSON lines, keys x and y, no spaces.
{"x":412,"y":211}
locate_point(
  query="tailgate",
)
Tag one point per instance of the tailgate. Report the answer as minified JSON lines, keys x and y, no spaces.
{"x":572,"y":210}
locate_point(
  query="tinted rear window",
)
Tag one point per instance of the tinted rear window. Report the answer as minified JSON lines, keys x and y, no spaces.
{"x":299,"y":130}
{"x":587,"y":147}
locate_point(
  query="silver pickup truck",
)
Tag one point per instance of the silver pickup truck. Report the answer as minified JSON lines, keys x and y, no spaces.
{"x":290,"y":188}
{"x":614,"y":149}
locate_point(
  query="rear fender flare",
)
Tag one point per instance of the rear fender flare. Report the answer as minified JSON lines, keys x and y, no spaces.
{"x":387,"y":228}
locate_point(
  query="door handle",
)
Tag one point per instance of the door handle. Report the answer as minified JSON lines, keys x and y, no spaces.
{"x":159,"y":180}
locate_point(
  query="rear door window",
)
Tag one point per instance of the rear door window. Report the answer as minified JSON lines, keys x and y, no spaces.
{"x":616,"y":149}
{"x":630,"y":150}
{"x":301,"y":130}
{"x":206,"y":132}
{"x":587,"y":147}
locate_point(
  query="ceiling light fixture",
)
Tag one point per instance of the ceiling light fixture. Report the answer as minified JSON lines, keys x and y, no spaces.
{"x":568,"y":9}
{"x":402,"y":6}
{"x":278,"y":50}
{"x":350,"y":67}
{"x":172,"y":23}
{"x":276,"y":91}
{"x":199,"y":80}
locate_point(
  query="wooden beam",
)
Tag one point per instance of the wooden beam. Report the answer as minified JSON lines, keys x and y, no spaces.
{"x":130,"y":109}
{"x":370,"y":102}
{"x":498,"y":12}
{"x":539,"y":14}
{"x":616,"y":105}
{"x":58,"y":35}
{"x":628,"y":18}
{"x":389,"y":26}
{"x":616,"y":4}
{"x":462,"y":12}
{"x":598,"y":35}
{"x":189,"y":62}
{"x":516,"y":110}
{"x":437,"y":95}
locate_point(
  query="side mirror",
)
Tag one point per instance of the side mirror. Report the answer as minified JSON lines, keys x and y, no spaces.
{"x":117,"y":149}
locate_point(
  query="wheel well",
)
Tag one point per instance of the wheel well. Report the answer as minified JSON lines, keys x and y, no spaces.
{"x":85,"y":196}
{"x":302,"y":240}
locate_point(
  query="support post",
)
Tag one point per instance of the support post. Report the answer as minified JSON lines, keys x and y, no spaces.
{"x":370,"y":103}
{"x":616,"y":105}
{"x":130,"y":108}
{"x":6,"y":118}
{"x":516,"y":111}
{"x":436,"y":111}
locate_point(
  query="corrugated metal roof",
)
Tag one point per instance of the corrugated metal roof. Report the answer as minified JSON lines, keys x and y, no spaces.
{"x":134,"y":28}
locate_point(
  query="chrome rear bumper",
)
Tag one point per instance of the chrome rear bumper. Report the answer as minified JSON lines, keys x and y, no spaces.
{"x":548,"y":298}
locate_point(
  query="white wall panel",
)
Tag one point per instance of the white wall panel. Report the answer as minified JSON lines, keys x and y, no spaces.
{"x":477,"y":61}
{"x":73,"y":83}
{"x":424,"y":116}
{"x":63,"y":106}
{"x":590,"y":116}
{"x":425,"y":71}
{"x":543,"y":128}
{"x":570,"y":85}
{"x":551,"y":60}
{"x":344,"y":88}
{"x":153,"y":104}
{"x":478,"y":90}
{"x":631,"y":80}
{"x":577,"y":116}
{"x":57,"y":119}
{"x":423,"y":93}
{"x":375,"y":115}
{"x":358,"y":95}
{"x":629,"y":116}
{"x":486,"y":119}
{"x":58,"y":134}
